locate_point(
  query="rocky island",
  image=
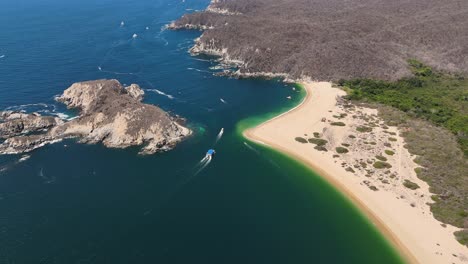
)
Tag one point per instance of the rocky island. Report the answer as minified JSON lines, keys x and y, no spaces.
{"x":108,"y":112}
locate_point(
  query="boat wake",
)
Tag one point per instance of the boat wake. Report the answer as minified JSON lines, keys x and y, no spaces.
{"x":161,"y":93}
{"x":220,"y":134}
{"x":116,"y":73}
{"x":2,"y":56}
{"x":223,"y":101}
{"x":202,"y":164}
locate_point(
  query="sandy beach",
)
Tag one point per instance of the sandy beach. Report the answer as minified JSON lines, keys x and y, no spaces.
{"x":369,"y":167}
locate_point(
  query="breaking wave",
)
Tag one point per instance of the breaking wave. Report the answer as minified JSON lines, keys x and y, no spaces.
{"x":161,"y":93}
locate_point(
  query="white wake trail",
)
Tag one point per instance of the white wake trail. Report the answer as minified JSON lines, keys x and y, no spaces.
{"x":161,"y":93}
{"x":220,"y":134}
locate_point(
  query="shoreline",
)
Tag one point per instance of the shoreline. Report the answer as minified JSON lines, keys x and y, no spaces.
{"x":402,"y":239}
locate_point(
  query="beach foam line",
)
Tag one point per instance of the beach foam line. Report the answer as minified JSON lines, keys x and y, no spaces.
{"x":161,"y":93}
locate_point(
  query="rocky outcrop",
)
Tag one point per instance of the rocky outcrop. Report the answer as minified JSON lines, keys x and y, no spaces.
{"x":109,"y":113}
{"x":16,"y":123}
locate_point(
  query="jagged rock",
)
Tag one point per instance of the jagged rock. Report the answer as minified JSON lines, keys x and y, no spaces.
{"x":16,"y":123}
{"x":135,"y":91}
{"x":109,"y":113}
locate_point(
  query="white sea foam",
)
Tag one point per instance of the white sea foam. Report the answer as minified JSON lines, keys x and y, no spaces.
{"x":161,"y":93}
{"x":24,"y":107}
{"x":2,"y":56}
{"x":24,"y":158}
{"x":198,"y":70}
{"x":62,"y":116}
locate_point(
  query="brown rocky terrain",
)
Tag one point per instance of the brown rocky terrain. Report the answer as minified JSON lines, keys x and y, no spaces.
{"x":333,"y":39}
{"x":109,"y":113}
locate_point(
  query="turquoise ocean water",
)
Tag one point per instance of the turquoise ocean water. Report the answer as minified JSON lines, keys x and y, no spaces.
{"x":75,"y":203}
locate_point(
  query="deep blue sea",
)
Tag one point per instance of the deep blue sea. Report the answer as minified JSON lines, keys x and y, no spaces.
{"x":75,"y":203}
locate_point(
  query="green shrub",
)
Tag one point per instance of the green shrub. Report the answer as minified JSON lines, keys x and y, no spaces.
{"x":352,"y":136}
{"x":301,"y":139}
{"x":338,"y":124}
{"x":316,"y":134}
{"x":392,"y":139}
{"x":320,"y":148}
{"x":380,"y":157}
{"x":389,"y":152}
{"x":410,"y":185}
{"x":345,"y":144}
{"x":318,"y":141}
{"x":382,"y":165}
{"x":341,"y":150}
{"x":363,"y":129}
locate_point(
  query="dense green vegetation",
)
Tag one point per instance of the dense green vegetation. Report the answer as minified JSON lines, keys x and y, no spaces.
{"x":431,"y":108}
{"x":437,"y":97}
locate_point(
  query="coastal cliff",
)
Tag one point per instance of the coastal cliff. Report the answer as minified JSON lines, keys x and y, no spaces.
{"x":109,"y":113}
{"x":332,"y":40}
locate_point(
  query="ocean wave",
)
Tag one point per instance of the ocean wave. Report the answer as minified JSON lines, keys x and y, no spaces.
{"x":2,"y":56}
{"x":161,"y":93}
{"x":41,"y":108}
{"x":198,"y":70}
{"x":36,"y":107}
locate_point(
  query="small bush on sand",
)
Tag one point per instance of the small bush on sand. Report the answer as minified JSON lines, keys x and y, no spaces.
{"x":338,"y":124}
{"x":345,"y":144}
{"x":389,"y":152}
{"x":341,"y":150}
{"x":318,"y":141}
{"x":316,"y":134}
{"x":320,"y":148}
{"x":410,"y":185}
{"x":301,"y":139}
{"x":392,"y":139}
{"x":352,"y":136}
{"x":363,"y":129}
{"x":380,"y":157}
{"x":382,"y":165}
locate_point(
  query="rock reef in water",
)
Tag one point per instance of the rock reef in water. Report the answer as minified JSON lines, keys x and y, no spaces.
{"x":332,"y":39}
{"x":109,"y":113}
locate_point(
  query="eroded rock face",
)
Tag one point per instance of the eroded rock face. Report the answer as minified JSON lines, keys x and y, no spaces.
{"x":16,"y":123}
{"x":109,"y":113}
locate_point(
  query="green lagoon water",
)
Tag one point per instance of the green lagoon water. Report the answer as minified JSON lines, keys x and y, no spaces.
{"x":75,"y":203}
